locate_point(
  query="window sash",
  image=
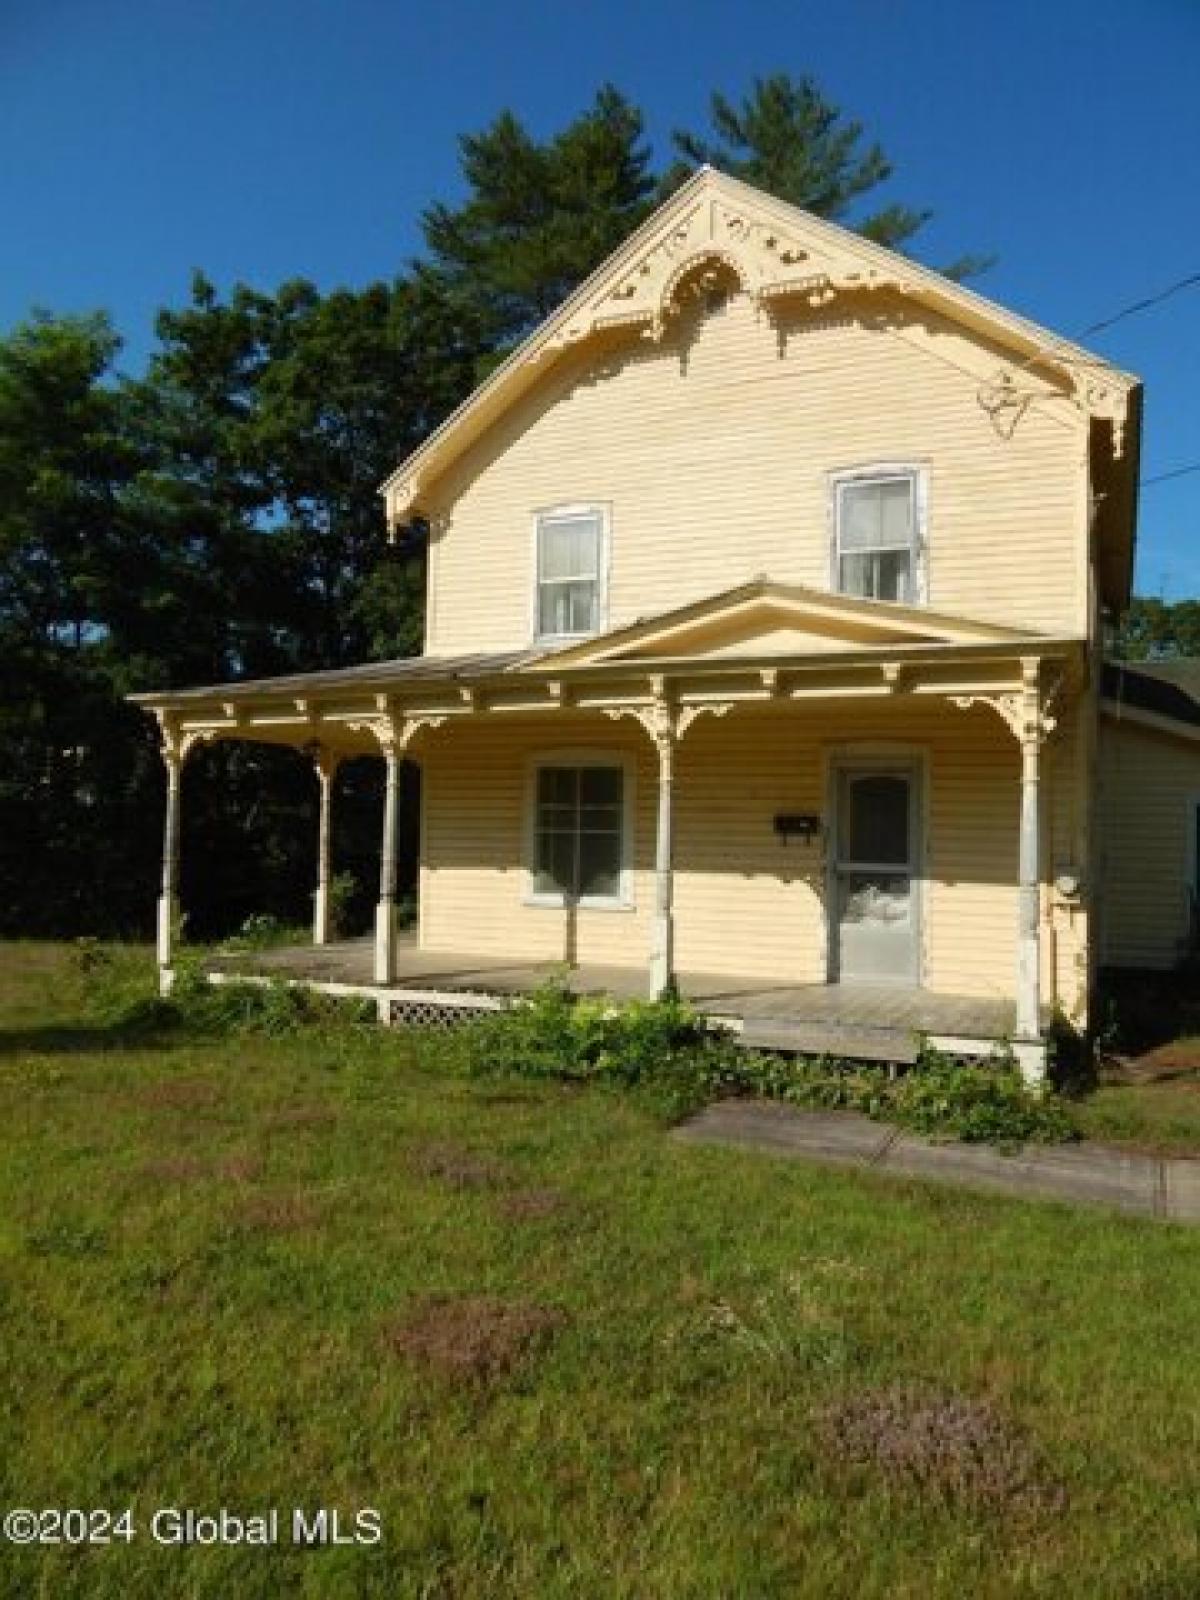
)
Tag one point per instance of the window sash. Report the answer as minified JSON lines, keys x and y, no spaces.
{"x":569,"y":573}
{"x":579,"y":834}
{"x":877,"y":536}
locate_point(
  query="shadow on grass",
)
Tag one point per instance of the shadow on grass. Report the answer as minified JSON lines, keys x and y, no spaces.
{"x":1141,"y":1011}
{"x":138,"y":1032}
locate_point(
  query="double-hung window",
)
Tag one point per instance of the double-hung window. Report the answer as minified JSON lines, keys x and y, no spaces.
{"x":580,"y":833}
{"x":570,"y":555}
{"x":877,"y":535}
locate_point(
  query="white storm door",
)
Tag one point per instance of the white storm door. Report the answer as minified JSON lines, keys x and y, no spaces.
{"x":876,"y":875}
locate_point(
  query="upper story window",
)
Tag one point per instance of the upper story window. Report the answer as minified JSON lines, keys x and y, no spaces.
{"x":878,"y":536}
{"x":570,"y":559}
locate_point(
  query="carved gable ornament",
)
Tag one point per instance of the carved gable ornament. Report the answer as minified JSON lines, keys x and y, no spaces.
{"x":716,"y":228}
{"x":767,"y":259}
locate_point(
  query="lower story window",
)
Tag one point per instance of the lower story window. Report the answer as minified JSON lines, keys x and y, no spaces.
{"x":579,"y":834}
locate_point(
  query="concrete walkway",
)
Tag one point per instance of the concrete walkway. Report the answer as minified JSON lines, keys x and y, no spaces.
{"x":1084,"y":1174}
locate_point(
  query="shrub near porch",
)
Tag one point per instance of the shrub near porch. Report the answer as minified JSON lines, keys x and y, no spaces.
{"x":560,"y":1353}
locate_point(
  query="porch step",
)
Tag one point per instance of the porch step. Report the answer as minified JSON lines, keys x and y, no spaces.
{"x":854,"y":1041}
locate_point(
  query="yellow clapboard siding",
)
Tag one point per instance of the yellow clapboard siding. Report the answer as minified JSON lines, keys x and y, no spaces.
{"x":745,"y":903}
{"x":1149,"y":787}
{"x":712,"y":451}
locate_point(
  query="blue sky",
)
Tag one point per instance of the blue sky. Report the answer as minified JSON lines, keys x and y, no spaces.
{"x":267,"y":139}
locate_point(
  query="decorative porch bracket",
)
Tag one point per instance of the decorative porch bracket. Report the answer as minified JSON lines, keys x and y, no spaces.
{"x":325,"y":764}
{"x":666,"y":724}
{"x":1028,"y":713}
{"x":393,"y":734}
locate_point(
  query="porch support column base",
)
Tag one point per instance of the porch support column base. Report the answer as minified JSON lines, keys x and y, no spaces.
{"x":321,"y":915}
{"x":1030,"y":1057}
{"x":662,"y":968}
{"x":168,"y":921}
{"x":385,"y":942}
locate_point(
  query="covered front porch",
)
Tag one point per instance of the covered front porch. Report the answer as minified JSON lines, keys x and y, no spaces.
{"x":868,"y":1021}
{"x":798,"y":817}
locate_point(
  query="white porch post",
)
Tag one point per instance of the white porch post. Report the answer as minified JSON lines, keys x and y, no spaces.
{"x":662,"y":951}
{"x":1029,"y":958}
{"x":385,"y":913}
{"x":1032,"y":723}
{"x":1027,"y":712}
{"x":326,"y":764}
{"x":168,"y":900}
{"x":666,"y":723}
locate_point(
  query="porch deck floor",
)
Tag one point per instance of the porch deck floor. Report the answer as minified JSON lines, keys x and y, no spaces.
{"x":766,"y":1009}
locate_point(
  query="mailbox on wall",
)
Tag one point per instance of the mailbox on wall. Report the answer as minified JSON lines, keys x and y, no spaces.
{"x":802,"y":825}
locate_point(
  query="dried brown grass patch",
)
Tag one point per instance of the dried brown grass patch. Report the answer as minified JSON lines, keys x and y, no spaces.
{"x":300,"y":1117}
{"x":475,"y":1338}
{"x":531,"y":1205}
{"x":940,"y":1444}
{"x":242,"y":1168}
{"x":290,"y":1212}
{"x":176,"y":1169}
{"x":178,"y":1094}
{"x":458,"y":1167}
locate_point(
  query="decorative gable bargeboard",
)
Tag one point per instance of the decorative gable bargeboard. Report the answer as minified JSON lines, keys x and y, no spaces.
{"x":735,"y":350}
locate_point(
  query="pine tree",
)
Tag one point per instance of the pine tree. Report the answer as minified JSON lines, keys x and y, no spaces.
{"x":787,"y":138}
{"x":541,"y":216}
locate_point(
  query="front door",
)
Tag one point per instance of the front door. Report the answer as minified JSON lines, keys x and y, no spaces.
{"x":874,"y":933}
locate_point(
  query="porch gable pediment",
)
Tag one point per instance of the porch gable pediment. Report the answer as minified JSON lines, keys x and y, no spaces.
{"x":764,"y":619}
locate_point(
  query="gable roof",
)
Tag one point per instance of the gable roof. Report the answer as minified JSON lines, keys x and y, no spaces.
{"x":763,"y":618}
{"x":775,"y":250}
{"x":1164,"y":689}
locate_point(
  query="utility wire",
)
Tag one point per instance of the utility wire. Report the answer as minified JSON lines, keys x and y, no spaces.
{"x":1176,"y":472}
{"x":1048,"y":352}
{"x":1189,"y":282}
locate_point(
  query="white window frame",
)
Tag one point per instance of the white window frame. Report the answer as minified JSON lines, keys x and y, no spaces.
{"x":579,"y":508}
{"x":917,"y":474}
{"x":623,"y":900}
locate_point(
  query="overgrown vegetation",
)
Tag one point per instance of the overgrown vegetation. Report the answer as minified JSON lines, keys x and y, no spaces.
{"x":309,"y":1266}
{"x":674,"y":1058}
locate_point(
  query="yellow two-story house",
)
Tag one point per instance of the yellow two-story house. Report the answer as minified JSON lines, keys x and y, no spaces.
{"x":766,"y":589}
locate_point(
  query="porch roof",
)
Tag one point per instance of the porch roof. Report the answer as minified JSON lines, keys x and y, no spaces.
{"x":761,"y":640}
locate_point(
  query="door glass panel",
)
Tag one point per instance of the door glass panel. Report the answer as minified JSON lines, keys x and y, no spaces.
{"x":874,"y":824}
{"x":881,"y":899}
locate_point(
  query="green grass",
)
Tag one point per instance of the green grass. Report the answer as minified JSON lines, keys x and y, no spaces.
{"x":1161,"y":1116}
{"x":206,"y":1242}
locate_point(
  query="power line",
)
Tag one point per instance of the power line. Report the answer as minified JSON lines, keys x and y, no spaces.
{"x":1189,"y":282}
{"x":1176,"y":472}
{"x":1047,"y":352}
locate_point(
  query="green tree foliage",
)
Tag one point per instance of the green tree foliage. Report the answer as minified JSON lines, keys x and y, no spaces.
{"x":75,"y":560}
{"x":539,"y":217}
{"x":219,"y":516}
{"x":1156,"y":630}
{"x":787,"y":138}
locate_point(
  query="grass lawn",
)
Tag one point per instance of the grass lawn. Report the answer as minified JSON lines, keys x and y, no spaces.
{"x":562,"y":1354}
{"x":1148,"y":1106}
